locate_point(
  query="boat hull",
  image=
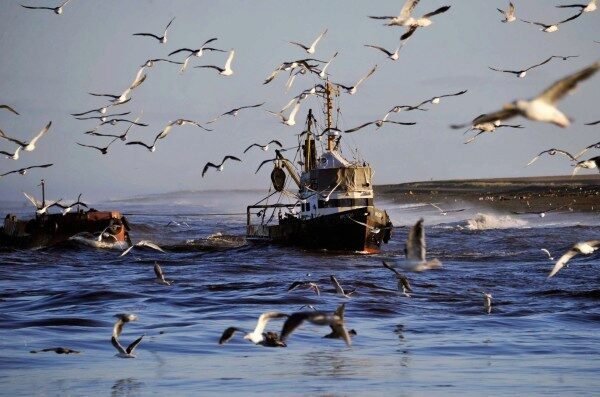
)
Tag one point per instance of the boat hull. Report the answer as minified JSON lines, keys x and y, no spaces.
{"x":51,"y":229}
{"x":359,"y":230}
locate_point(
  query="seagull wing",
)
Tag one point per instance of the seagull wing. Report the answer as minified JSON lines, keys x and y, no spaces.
{"x":169,"y":24}
{"x":359,"y":127}
{"x":400,"y":122}
{"x":449,"y":95}
{"x":33,"y":200}
{"x":572,"y":17}
{"x":337,"y":286}
{"x":9,"y":109}
{"x":380,"y":49}
{"x":149,"y":244}
{"x":207,"y":166}
{"x":432,"y":204}
{"x":228,"y":334}
{"x":263,"y":163}
{"x":148,"y":34}
{"x":117,"y":345}
{"x":409,"y":32}
{"x":407,"y":9}
{"x":251,"y":146}
{"x":38,"y":8}
{"x":508,"y":112}
{"x":593,"y":123}
{"x":366,"y":76}
{"x":299,"y":45}
{"x":230,"y":158}
{"x":415,"y":243}
{"x":436,"y":12}
{"x":134,"y":344}
{"x":127,"y":251}
{"x":539,"y":64}
{"x":229,"y":59}
{"x":564,"y":86}
{"x":296,"y":319}
{"x":388,"y":266}
{"x":276,"y":142}
{"x":547,"y":252}
{"x":264,"y":319}
{"x":314,"y":43}
{"x":562,"y":261}
{"x":571,"y":6}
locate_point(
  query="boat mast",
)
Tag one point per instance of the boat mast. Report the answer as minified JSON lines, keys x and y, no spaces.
{"x":330,"y":136}
{"x":307,"y":145}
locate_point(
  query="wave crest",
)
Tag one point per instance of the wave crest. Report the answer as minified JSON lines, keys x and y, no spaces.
{"x":488,"y":221}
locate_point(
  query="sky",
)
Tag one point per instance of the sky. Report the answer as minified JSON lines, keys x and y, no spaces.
{"x":50,"y":62}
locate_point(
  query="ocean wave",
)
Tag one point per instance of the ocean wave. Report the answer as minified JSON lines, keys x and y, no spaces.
{"x":489,"y":221}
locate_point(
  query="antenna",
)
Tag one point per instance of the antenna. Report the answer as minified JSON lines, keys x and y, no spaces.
{"x":43,"y":185}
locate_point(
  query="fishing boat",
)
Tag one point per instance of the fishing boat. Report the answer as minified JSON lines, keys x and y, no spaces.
{"x":333,"y":207}
{"x":51,"y":229}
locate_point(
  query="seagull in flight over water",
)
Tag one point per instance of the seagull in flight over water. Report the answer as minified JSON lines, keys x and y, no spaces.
{"x":403,"y":283}
{"x":10,"y":109}
{"x":117,"y":329}
{"x":143,"y":243}
{"x":161,"y":39}
{"x":258,"y":336}
{"x":584,"y":247}
{"x":334,"y":320}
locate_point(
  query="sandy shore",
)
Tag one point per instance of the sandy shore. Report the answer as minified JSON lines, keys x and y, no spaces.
{"x":532,"y":194}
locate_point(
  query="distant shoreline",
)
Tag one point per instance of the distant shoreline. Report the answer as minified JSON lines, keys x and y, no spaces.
{"x":580,"y":193}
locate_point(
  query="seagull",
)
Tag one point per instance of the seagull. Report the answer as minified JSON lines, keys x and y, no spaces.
{"x":407,"y":108}
{"x":593,"y":123}
{"x":487,"y":302}
{"x":234,"y":112}
{"x":509,"y":15}
{"x":57,"y":10}
{"x":593,"y":163}
{"x":28,"y":146}
{"x":103,"y":109}
{"x":67,"y":208}
{"x":143,"y":243}
{"x":552,"y":152}
{"x":24,"y":170}
{"x":13,"y":156}
{"x":150,"y":148}
{"x":123,"y":98}
{"x":547,"y":253}
{"x":160,"y":277}
{"x":10,"y":109}
{"x":403,"y":283}
{"x":445,"y":212}
{"x":103,"y":150}
{"x":487,"y":127}
{"x":594,"y":145}
{"x":338,"y":288}
{"x":178,"y":122}
{"x":310,"y":49}
{"x":115,"y":121}
{"x":122,"y":137}
{"x":41,"y":208}
{"x":322,"y":73}
{"x":542,"y":108}
{"x":198,"y":52}
{"x":334,"y":320}
{"x":162,"y":39}
{"x":305,"y":284}
{"x":551,"y":28}
{"x":264,"y":147}
{"x":258,"y":336}
{"x":584,"y":247}
{"x":378,"y":123}
{"x":218,"y":166}
{"x":589,"y":7}
{"x":150,"y":62}
{"x":405,"y":19}
{"x":104,"y":117}
{"x":225,"y":71}
{"x":291,"y":119}
{"x":122,"y":319}
{"x":337,"y":332}
{"x":522,"y":73}
{"x":415,"y":249}
{"x":391,"y":55}
{"x":352,"y":90}
{"x":57,"y":350}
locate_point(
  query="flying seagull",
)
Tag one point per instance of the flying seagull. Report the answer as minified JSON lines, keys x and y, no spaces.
{"x":336,"y":331}
{"x":150,"y":62}
{"x":41,"y":208}
{"x":589,"y":7}
{"x":593,"y":163}
{"x":224,"y":71}
{"x":143,"y":243}
{"x":151,"y":148}
{"x":323,"y":73}
{"x":552,"y":152}
{"x":542,"y":108}
{"x":593,"y":145}
{"x":393,"y":55}
{"x":68,"y":208}
{"x":435,"y":100}
{"x":160,"y":277}
{"x":405,"y":18}
{"x":198,"y":52}
{"x":291,"y":119}
{"x":12,"y":156}
{"x":57,"y":350}
{"x":264,"y":147}
{"x":117,"y":329}
{"x":551,"y":28}
{"x":403,"y":283}
{"x":10,"y":109}
{"x":57,"y":10}
{"x":445,"y":212}
{"x":334,"y":320}
{"x":103,"y":150}
{"x":415,"y":249}
{"x":28,"y":146}
{"x":305,"y":284}
{"x":234,"y":112}
{"x":584,"y":247}
{"x":378,"y":123}
{"x":24,"y":170}
{"x":547,"y":253}
{"x":292,"y":65}
{"x":509,"y":15}
{"x":115,"y":121}
{"x":258,"y":336}
{"x":162,"y":39}
{"x":178,"y":122}
{"x":352,"y":89}
{"x":310,"y":49}
{"x":487,"y":127}
{"x":338,"y":288}
{"x":218,"y":166}
{"x":103,"y":109}
{"x":523,"y":72}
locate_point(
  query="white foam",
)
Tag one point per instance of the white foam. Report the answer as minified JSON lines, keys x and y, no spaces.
{"x":489,"y":221}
